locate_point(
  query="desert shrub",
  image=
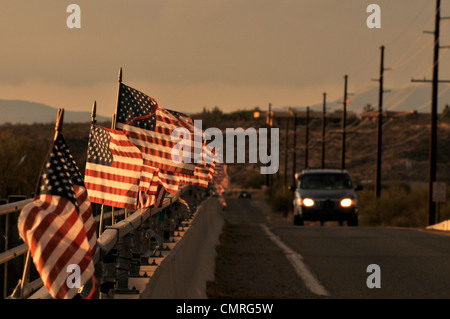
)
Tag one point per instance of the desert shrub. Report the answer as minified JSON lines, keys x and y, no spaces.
{"x":398,"y":206}
{"x":280,"y":198}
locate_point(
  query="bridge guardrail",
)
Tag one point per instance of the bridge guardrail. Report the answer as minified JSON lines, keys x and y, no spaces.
{"x":112,"y":237}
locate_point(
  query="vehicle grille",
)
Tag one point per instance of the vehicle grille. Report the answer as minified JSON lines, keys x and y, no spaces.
{"x":327,"y":203}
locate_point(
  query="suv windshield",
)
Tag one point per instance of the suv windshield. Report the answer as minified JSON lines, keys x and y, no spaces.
{"x":325,"y":181}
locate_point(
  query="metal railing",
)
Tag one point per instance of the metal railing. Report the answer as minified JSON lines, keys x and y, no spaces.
{"x":117,"y":255}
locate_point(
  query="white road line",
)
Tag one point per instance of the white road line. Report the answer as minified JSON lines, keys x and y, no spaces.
{"x":297,"y":262}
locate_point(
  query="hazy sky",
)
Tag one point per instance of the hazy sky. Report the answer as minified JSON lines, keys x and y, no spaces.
{"x":190,"y":54}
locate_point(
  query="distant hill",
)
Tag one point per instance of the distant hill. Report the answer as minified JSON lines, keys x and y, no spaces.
{"x":25,"y":112}
{"x":402,"y":100}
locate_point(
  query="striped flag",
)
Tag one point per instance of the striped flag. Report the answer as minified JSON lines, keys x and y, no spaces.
{"x":202,"y":176}
{"x":182,"y":116}
{"x":58,"y":226}
{"x":150,"y":128}
{"x":153,"y":195}
{"x":113,"y":168}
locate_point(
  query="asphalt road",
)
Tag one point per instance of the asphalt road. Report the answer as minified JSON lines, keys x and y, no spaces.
{"x":273,"y":258}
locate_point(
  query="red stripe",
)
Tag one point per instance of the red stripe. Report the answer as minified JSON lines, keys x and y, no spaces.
{"x":126,"y":154}
{"x":112,"y":203}
{"x":31,"y":216}
{"x":111,"y":190}
{"x":84,"y":265}
{"x":66,"y":258}
{"x":59,"y":236}
{"x":110,"y":177}
{"x":151,"y":139}
{"x":40,"y":229}
{"x":126,"y":166}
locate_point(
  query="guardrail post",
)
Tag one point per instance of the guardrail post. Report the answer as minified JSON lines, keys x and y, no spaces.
{"x":5,"y":269}
{"x":88,"y":286}
{"x":123,"y":265}
{"x":109,"y":275}
{"x":136,"y":246}
{"x":147,"y":235}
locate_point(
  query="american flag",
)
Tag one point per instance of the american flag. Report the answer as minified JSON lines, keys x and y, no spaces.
{"x":113,"y":168}
{"x":220,"y":178}
{"x":220,"y":182}
{"x":202,"y":176}
{"x":182,"y":116}
{"x":150,"y":128}
{"x":153,"y":194}
{"x":58,"y":226}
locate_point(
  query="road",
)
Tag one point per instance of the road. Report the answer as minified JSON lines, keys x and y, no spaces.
{"x":262,"y":255}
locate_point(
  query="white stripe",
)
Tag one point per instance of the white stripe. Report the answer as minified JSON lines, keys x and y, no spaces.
{"x":50,"y":231}
{"x":160,"y":148}
{"x":112,"y":170}
{"x":61,"y":247}
{"x":297,"y":262}
{"x":113,"y":197}
{"x":111,"y":184}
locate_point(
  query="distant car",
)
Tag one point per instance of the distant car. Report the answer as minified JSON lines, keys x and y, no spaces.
{"x":245,"y":194}
{"x":325,"y":195}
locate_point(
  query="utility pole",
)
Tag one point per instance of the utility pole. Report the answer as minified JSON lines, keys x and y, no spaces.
{"x":307,"y":137}
{"x":267,"y":182}
{"x":294,"y":150}
{"x":286,"y":151}
{"x":379,"y":127}
{"x":269,"y":177}
{"x":344,"y":119}
{"x":323,"y":128}
{"x":434,"y":104}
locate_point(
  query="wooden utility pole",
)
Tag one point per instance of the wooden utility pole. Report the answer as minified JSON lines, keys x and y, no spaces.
{"x":434,"y":105}
{"x":323,"y":128}
{"x":294,"y":149}
{"x":269,"y":126}
{"x":307,"y":138}
{"x":379,"y":127}
{"x":344,"y":119}
{"x":286,"y":151}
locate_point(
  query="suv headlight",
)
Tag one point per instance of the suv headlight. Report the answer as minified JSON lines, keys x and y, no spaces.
{"x":308,"y":202}
{"x":347,"y":202}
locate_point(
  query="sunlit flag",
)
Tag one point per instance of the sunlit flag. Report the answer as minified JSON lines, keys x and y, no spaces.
{"x":113,"y":168}
{"x":150,"y":128}
{"x":58,"y":226}
{"x":220,"y":181}
{"x":153,"y":194}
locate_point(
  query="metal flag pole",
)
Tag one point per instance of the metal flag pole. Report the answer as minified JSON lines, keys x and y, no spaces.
{"x":119,"y":79}
{"x":93,"y":122}
{"x":59,"y":122}
{"x":25,"y":273}
{"x":94,"y":113}
{"x":26,"y":269}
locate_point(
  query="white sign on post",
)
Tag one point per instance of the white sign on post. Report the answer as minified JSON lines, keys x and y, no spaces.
{"x":439,"y":192}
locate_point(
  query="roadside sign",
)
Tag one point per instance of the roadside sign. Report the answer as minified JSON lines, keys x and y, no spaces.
{"x":439,"y":192}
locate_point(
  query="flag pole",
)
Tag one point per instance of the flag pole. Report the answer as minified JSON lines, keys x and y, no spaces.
{"x":59,"y":122}
{"x":94,"y":121}
{"x":25,"y":273}
{"x":26,"y":269}
{"x":94,"y":113}
{"x":113,"y":126}
{"x":119,"y":79}
{"x":114,"y":120}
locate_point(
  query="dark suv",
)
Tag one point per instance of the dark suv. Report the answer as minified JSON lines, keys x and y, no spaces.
{"x":325,"y":195}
